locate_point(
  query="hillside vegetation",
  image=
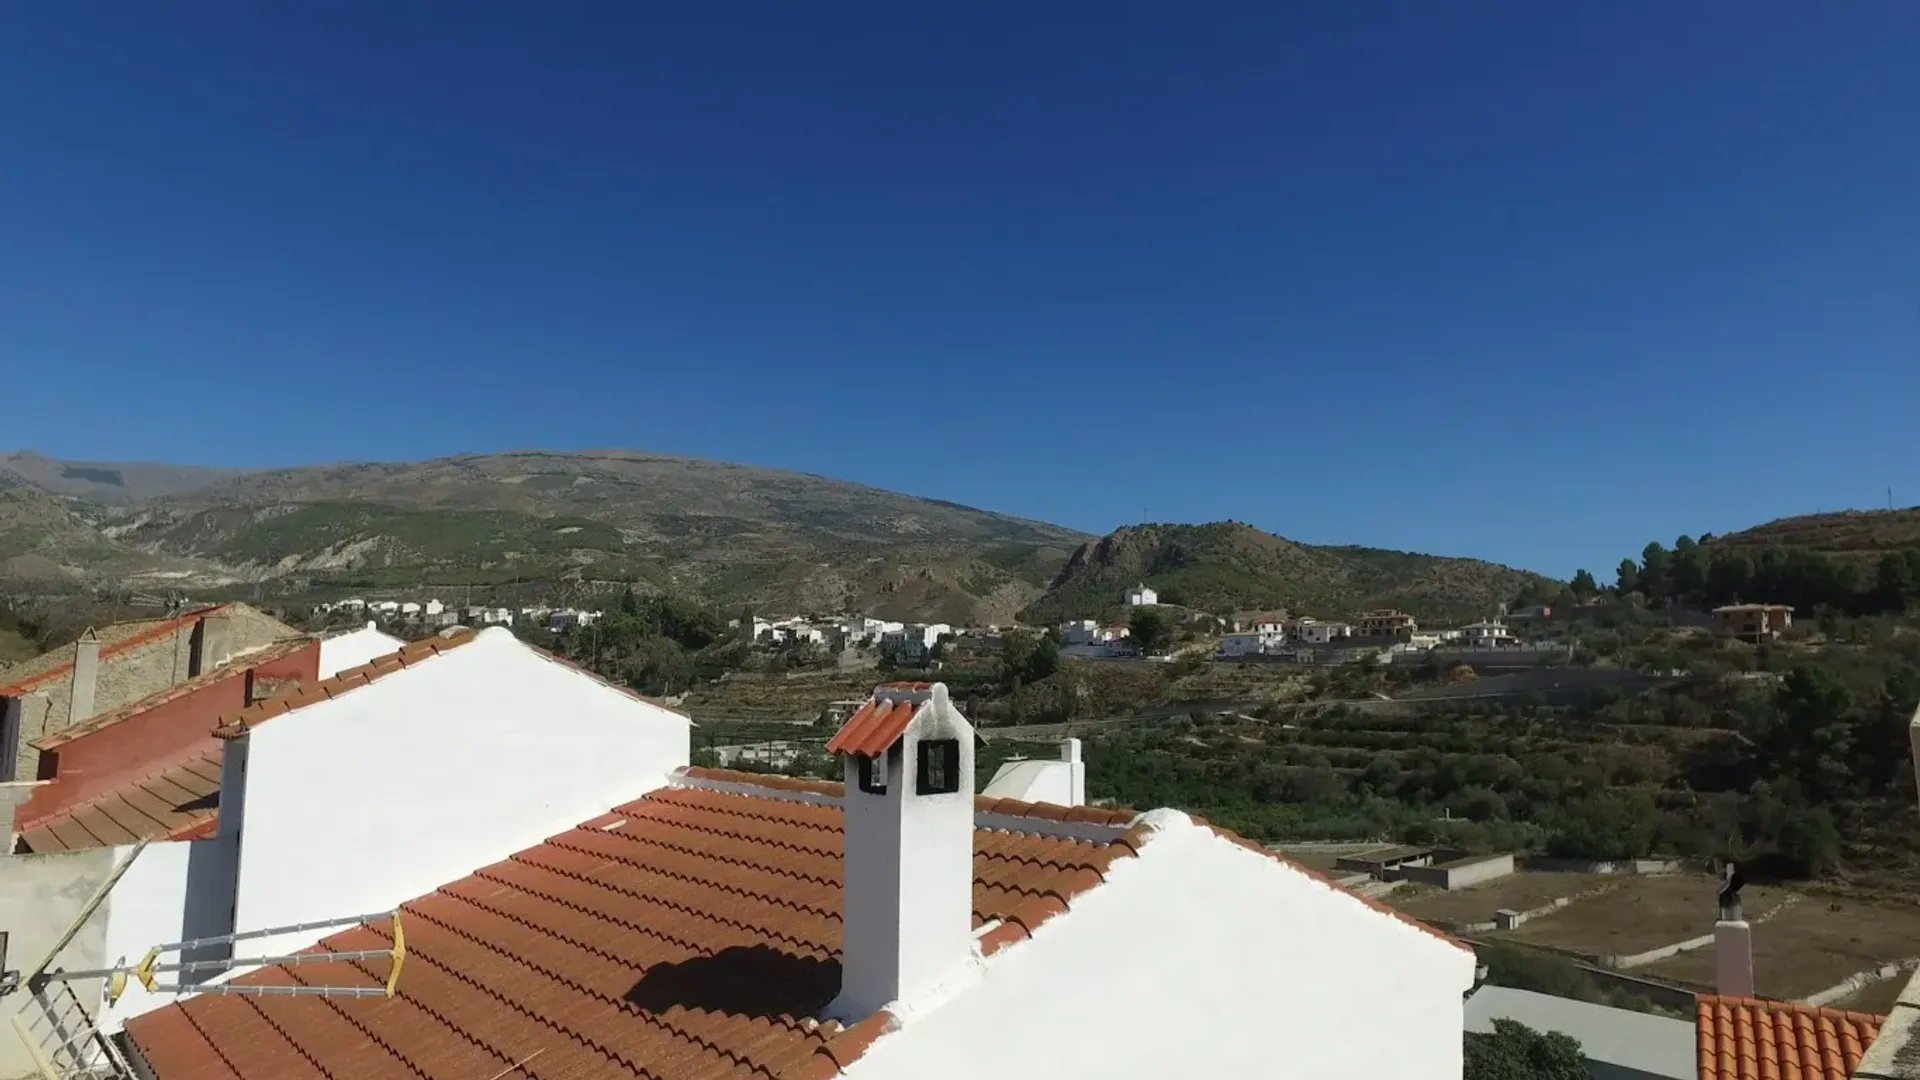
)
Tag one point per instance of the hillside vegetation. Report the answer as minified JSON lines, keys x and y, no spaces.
{"x":1228,"y":566}
{"x":1857,"y":533}
{"x":776,"y":541}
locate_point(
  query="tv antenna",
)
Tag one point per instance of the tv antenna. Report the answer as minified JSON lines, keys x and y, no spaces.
{"x":65,"y":1041}
{"x":172,"y":603}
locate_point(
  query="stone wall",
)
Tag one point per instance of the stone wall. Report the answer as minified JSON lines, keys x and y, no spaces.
{"x":133,"y":671}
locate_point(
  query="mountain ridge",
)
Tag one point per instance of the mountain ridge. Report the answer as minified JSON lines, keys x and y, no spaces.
{"x":770,"y":539}
{"x":1231,"y":566}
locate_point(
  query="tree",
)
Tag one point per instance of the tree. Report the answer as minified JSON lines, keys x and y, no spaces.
{"x":1150,"y":631}
{"x":1894,"y":584}
{"x":1812,"y":741}
{"x":1655,"y":571}
{"x":1689,"y":569}
{"x":1628,"y":578}
{"x":1515,"y":1051}
{"x":1583,"y":584}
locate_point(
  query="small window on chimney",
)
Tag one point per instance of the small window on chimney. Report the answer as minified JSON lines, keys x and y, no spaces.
{"x":873,"y":776}
{"x":939,"y":772}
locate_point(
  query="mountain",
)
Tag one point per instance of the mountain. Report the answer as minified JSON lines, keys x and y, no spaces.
{"x":778,"y":541}
{"x":1228,"y":566}
{"x":1857,"y":534}
{"x":113,"y":483}
{"x":46,"y":540}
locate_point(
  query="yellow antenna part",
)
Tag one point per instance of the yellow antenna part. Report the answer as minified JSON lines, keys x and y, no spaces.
{"x":399,"y":953}
{"x":144,"y":969}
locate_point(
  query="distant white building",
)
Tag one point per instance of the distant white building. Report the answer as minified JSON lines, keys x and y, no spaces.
{"x":1079,"y":632}
{"x":1315,"y":632}
{"x":1489,"y":634}
{"x":432,"y":608}
{"x":862,"y":630}
{"x":1141,"y":596}
{"x":1250,"y":642}
{"x":410,"y":609}
{"x":913,"y":642}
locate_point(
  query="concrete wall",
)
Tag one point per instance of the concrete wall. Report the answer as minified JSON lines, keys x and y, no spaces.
{"x":1460,"y":874}
{"x":39,"y":896}
{"x":356,"y":804}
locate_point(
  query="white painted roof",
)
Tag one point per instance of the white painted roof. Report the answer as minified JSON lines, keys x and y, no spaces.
{"x":353,"y":648}
{"x":1039,"y":780}
{"x":1653,"y":1045}
{"x":1199,"y":958}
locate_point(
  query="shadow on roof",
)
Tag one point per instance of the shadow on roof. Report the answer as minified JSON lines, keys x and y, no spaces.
{"x":752,"y":981}
{"x":209,"y":801}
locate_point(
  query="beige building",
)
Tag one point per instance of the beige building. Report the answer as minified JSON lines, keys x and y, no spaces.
{"x":1753,"y":622}
{"x":1385,"y":623}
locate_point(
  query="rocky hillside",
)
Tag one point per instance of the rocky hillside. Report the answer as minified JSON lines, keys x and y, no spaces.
{"x":1865,"y":534}
{"x":106,"y":482}
{"x":1227,"y":566}
{"x":778,"y":541}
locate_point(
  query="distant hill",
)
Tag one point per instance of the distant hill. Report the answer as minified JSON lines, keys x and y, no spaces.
{"x":47,"y":540}
{"x":778,"y":541}
{"x":1861,"y":534}
{"x":1229,"y":566}
{"x":113,"y":483}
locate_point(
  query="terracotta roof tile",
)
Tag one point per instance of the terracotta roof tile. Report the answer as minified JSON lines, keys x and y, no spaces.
{"x":179,"y":801}
{"x":872,"y":730}
{"x":689,"y":934}
{"x":693,"y":933}
{"x":1747,"y":1037}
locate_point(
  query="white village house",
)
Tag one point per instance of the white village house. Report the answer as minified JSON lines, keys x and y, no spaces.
{"x":1141,"y":596}
{"x":349,"y":797}
{"x":720,"y":924}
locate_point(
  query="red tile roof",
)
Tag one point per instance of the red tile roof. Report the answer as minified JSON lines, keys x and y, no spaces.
{"x":690,"y":934}
{"x":43,"y":674}
{"x":877,"y":726}
{"x":176,"y":803}
{"x":1741,"y":1038}
{"x":237,"y":668}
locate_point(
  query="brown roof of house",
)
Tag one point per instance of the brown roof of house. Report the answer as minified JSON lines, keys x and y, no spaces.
{"x":49,"y":667}
{"x":168,"y":804}
{"x":689,"y":934}
{"x":237,"y":668}
{"x":1747,"y":1037}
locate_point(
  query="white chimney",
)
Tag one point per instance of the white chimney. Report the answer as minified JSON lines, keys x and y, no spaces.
{"x":86,"y":672}
{"x":1732,"y":941}
{"x":907,"y":914}
{"x":1070,"y":753}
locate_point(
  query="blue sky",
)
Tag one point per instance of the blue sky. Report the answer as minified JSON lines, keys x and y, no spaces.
{"x":1531,"y":282}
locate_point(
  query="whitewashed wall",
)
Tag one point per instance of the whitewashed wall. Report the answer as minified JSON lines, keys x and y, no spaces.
{"x":1199,"y":959}
{"x":357,"y":804}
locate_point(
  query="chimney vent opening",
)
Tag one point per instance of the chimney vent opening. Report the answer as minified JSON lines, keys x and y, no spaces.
{"x":873,"y":776}
{"x":939,"y":767}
